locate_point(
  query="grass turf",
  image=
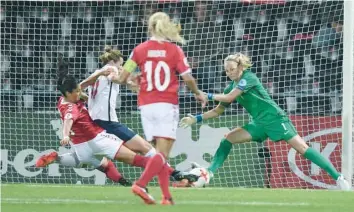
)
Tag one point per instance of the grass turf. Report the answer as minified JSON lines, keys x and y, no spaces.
{"x":66,"y":198}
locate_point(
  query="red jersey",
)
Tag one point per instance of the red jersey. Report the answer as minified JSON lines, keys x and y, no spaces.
{"x":160,"y":64}
{"x":83,"y":129}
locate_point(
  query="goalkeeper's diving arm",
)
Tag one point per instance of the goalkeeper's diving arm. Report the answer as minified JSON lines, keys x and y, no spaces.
{"x":228,"y":98}
{"x":213,"y":113}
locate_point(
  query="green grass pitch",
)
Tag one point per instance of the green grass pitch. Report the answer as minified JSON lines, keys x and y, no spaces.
{"x":67,"y":198}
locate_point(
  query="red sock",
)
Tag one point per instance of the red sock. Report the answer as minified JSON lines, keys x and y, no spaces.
{"x":153,"y":167}
{"x":164,"y":181}
{"x":112,"y":172}
{"x":170,"y":168}
{"x":140,"y":161}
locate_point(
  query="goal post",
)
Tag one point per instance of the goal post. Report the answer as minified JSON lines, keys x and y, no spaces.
{"x":348,"y":80}
{"x":302,"y":51}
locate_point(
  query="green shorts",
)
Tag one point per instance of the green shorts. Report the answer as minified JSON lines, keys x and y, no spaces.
{"x":276,"y":130}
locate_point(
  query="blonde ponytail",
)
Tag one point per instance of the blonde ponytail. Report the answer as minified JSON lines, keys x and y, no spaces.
{"x":161,"y":27}
{"x":240,"y":59}
{"x":110,"y":54}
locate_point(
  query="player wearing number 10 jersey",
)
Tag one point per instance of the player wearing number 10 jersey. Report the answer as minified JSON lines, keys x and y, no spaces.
{"x":160,"y":62}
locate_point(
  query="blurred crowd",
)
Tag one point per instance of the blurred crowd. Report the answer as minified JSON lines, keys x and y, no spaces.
{"x":291,"y":44}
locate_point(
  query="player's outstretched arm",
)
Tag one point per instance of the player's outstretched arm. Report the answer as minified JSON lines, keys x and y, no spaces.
{"x":83,"y":96}
{"x":93,"y":77}
{"x":228,"y":98}
{"x":192,"y":85}
{"x":190,"y":119}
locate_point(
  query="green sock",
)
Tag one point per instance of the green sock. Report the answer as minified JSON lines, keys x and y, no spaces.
{"x":322,"y":162}
{"x":220,"y":156}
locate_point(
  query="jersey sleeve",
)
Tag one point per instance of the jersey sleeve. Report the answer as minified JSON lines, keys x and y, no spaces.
{"x":227,"y":90}
{"x":71,"y":112}
{"x":247,"y":82}
{"x":132,"y":63}
{"x":182,"y":62}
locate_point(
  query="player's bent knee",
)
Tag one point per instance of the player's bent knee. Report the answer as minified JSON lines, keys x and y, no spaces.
{"x":238,"y":135}
{"x":298,"y":144}
{"x":138,"y":144}
{"x":125,"y":155}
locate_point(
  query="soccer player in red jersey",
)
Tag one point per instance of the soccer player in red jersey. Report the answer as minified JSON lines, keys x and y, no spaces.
{"x":160,"y":62}
{"x":89,"y":139}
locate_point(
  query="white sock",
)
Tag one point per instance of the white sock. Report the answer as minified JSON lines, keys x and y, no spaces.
{"x":69,"y":159}
{"x":150,"y":153}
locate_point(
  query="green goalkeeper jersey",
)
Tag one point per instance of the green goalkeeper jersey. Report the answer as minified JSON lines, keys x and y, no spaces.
{"x":255,"y":99}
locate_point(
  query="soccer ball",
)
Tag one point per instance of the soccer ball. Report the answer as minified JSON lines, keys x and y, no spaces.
{"x":203,"y":179}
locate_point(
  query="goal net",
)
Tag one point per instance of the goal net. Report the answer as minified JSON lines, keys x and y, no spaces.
{"x":296,"y":48}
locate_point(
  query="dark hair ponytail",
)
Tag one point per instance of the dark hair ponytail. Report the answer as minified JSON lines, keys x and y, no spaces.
{"x":66,"y":83}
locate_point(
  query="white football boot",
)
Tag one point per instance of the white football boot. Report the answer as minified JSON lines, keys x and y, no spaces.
{"x":343,"y":184}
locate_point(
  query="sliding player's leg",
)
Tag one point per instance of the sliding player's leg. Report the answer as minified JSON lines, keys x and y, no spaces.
{"x":86,"y":153}
{"x":131,"y":140}
{"x":109,"y":168}
{"x":112,"y":147}
{"x":136,"y":143}
{"x":70,"y":159}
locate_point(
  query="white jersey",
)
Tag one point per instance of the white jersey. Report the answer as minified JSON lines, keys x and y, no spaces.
{"x":103,"y":97}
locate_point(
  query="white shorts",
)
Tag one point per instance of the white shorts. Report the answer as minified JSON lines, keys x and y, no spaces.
{"x":160,"y":120}
{"x":103,"y":144}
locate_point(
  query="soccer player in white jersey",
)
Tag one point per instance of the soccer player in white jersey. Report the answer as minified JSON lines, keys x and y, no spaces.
{"x":102,"y":102}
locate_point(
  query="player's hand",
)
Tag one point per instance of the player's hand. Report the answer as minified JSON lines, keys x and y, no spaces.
{"x":187,"y":121}
{"x":105,"y":72}
{"x":133,"y":86}
{"x":201,"y":97}
{"x":65,"y":141}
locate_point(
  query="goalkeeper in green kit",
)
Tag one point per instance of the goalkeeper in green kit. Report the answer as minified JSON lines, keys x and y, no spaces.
{"x":268,"y":119}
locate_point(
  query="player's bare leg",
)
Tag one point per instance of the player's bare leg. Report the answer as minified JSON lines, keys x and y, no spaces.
{"x":140,"y":145}
{"x":311,"y":154}
{"x":157,"y":165}
{"x":70,"y":159}
{"x":126,"y":155}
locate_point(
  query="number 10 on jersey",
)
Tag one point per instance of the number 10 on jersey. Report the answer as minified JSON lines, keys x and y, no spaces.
{"x":156,"y":81}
